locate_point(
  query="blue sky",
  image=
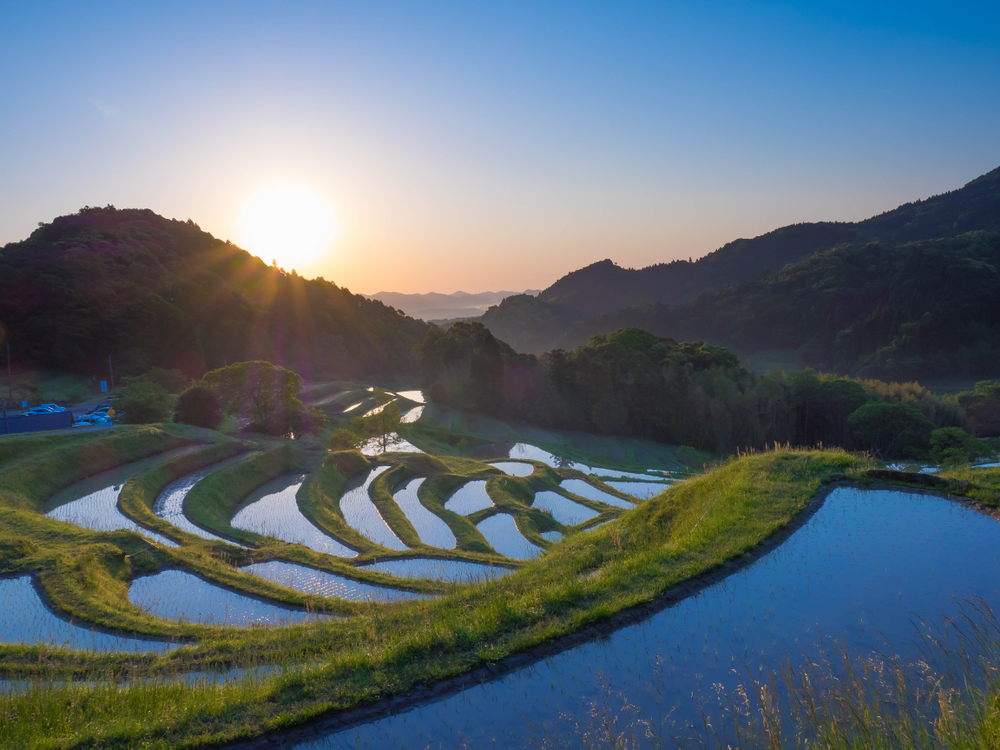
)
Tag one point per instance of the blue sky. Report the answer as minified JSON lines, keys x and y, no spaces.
{"x":483,"y":146}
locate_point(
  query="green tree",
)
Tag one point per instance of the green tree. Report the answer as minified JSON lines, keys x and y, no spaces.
{"x":891,"y":430}
{"x":199,"y":406}
{"x":264,"y":396}
{"x":380,"y":427}
{"x":142,"y":402}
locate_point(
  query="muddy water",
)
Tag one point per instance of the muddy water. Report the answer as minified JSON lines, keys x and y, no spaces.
{"x":502,"y":534}
{"x":272,"y":510}
{"x":564,"y":510}
{"x":431,"y":529}
{"x":868,"y":562}
{"x":93,"y":503}
{"x":362,"y":515}
{"x":453,"y":571}
{"x":589,"y":491}
{"x":170,"y":504}
{"x":178,"y":595}
{"x":469,"y":498}
{"x":312,"y":581}
{"x":24,"y":618}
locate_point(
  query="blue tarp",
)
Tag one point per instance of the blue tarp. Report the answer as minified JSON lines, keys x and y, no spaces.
{"x":57,"y":420}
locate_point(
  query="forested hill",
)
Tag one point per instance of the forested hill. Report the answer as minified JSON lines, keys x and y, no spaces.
{"x":893,"y":312}
{"x":604,"y":287}
{"x":152,"y":291}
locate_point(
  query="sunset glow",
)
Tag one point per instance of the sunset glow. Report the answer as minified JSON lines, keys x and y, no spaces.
{"x":290,"y":224}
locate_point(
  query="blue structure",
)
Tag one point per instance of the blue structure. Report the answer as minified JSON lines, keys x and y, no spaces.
{"x":14,"y":423}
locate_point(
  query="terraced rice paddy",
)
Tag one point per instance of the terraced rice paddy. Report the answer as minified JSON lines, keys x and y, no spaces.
{"x":431,"y":529}
{"x":640,"y":490}
{"x":93,"y":503}
{"x":178,"y":595}
{"x":930,"y":554}
{"x":170,"y":504}
{"x":453,"y":571}
{"x":552,"y":536}
{"x":564,"y":510}
{"x":412,"y":415}
{"x":469,"y":498}
{"x":25,"y":618}
{"x":416,"y":396}
{"x":514,"y":468}
{"x":273,"y":511}
{"x":320,"y":583}
{"x":584,"y":489}
{"x":502,"y":534}
{"x":361,"y":514}
{"x":534,"y":453}
{"x":398,"y":445}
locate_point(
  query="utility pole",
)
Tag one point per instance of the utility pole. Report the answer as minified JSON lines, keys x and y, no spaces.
{"x":10,"y":378}
{"x":110,"y":370}
{"x":6,"y":429}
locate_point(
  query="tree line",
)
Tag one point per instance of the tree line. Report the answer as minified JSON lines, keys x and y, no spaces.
{"x":633,"y":383}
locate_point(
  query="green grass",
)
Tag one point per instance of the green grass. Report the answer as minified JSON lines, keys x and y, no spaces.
{"x":378,"y":650}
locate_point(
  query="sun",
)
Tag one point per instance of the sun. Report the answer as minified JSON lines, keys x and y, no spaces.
{"x":290,"y":224}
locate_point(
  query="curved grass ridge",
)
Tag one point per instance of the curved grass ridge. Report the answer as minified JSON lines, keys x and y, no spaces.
{"x":588,"y":579}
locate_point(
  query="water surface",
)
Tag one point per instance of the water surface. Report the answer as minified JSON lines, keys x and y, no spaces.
{"x":361,"y":514}
{"x":311,"y":581}
{"x":514,"y":468}
{"x":24,"y":618}
{"x":431,"y":529}
{"x":502,"y":534}
{"x":589,"y":491}
{"x":453,"y":571}
{"x":867,"y":563}
{"x":93,"y":503}
{"x":169,"y":505}
{"x":564,"y":510}
{"x":179,"y":595}
{"x":272,"y":510}
{"x":641,"y":490}
{"x":469,"y":498}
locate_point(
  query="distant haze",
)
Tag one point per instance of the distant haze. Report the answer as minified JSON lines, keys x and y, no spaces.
{"x":436,"y":306}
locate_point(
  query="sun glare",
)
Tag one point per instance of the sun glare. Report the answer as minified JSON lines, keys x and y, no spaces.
{"x":290,"y":224}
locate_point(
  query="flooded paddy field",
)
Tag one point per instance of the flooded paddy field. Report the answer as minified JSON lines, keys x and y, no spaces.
{"x":319,"y":582}
{"x":514,"y":468}
{"x":361,"y":514}
{"x":431,"y":529}
{"x":640,"y":490}
{"x":526,"y":451}
{"x":452,"y":571}
{"x":564,"y":510}
{"x":179,"y":595}
{"x":93,"y":503}
{"x":861,"y":569}
{"x":502,"y":534}
{"x":272,"y":510}
{"x":469,"y":498}
{"x":170,"y":504}
{"x":25,"y":618}
{"x":589,"y":491}
{"x":412,"y":415}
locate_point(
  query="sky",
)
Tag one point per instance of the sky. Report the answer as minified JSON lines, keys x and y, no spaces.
{"x":490,"y":145}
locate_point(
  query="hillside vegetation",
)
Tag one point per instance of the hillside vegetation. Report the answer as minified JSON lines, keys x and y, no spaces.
{"x":152,"y":291}
{"x":604,"y":297}
{"x":636,"y":384}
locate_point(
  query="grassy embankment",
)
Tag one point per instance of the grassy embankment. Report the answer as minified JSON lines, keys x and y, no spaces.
{"x":383,"y":650}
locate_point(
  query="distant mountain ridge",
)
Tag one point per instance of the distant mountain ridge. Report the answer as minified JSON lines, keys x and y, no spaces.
{"x":438,"y":306}
{"x":589,"y":300}
{"x":605,"y":287}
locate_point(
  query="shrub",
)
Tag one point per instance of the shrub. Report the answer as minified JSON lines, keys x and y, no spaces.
{"x":143,"y":402}
{"x":891,"y":430}
{"x":200,"y":407}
